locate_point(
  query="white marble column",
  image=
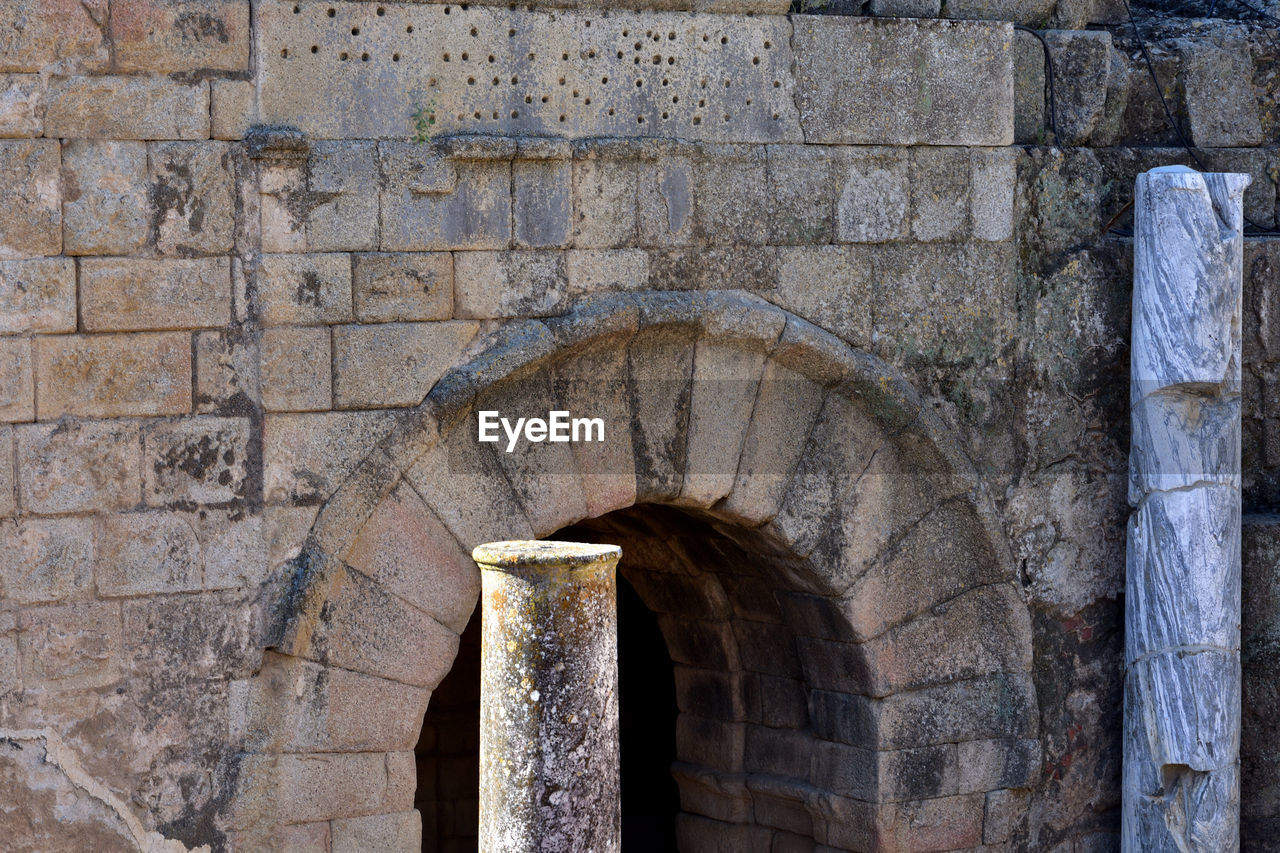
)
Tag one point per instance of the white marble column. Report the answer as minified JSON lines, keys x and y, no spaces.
{"x":1182,"y":588}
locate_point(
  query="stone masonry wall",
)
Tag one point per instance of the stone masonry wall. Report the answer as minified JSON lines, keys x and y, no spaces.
{"x":228,"y":271}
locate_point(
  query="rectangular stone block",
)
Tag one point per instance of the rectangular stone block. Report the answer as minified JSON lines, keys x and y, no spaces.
{"x":38,"y":33}
{"x":939,"y":193}
{"x":78,"y":466}
{"x":509,"y":284}
{"x":70,"y":647}
{"x":21,"y":105}
{"x":802,"y":190}
{"x":988,"y":765}
{"x":394,"y":364}
{"x":30,"y":198}
{"x":109,"y":376}
{"x":883,"y":81}
{"x":1222,"y":105}
{"x":875,"y":191}
{"x":130,"y":294}
{"x":8,"y":494}
{"x":993,"y":173}
{"x":225,"y":374}
{"x":232,"y":108}
{"x":343,"y":184}
{"x":307,"y":456}
{"x":604,"y":201}
{"x":390,"y":832}
{"x":201,"y":460}
{"x":829,"y":286}
{"x":296,"y":369}
{"x":46,"y":560}
{"x":304,"y":289}
{"x":38,"y":295}
{"x":187,"y":35}
{"x":192,"y":193}
{"x":17,"y":383}
{"x":596,"y":270}
{"x":403,"y":287}
{"x":731,"y":198}
{"x":104,"y":211}
{"x":541,"y":202}
{"x":431,"y":204}
{"x":147,"y":553}
{"x":118,"y":107}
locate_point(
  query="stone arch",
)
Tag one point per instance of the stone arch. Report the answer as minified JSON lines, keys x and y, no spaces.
{"x":893,"y":586}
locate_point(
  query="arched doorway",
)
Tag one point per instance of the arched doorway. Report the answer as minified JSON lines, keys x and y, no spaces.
{"x":860,"y":668}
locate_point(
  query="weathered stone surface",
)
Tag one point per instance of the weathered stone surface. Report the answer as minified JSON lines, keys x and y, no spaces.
{"x":70,"y":647}
{"x":803,"y":184}
{"x":393,"y":364}
{"x":304,"y":788}
{"x":139,"y":553}
{"x":147,"y":373}
{"x":38,"y":295}
{"x":129,"y":294}
{"x":952,"y":83}
{"x":188,"y":35}
{"x":46,"y":560}
{"x":225,"y":375}
{"x":987,"y":765}
{"x":1222,"y":106}
{"x":307,"y":456}
{"x":127,"y":108}
{"x":192,"y":197}
{"x":104,"y":209}
{"x":873,"y":206}
{"x":201,"y":460}
{"x":21,"y":105}
{"x":343,"y":188}
{"x":829,"y":286}
{"x":993,"y":174}
{"x":378,"y":833}
{"x":8,"y":484}
{"x":40,"y":33}
{"x":431,"y":203}
{"x":939,"y":193}
{"x":522,"y":93}
{"x":595,"y":270}
{"x":403,"y":287}
{"x":78,"y":466}
{"x":300,"y":289}
{"x":17,"y":383}
{"x":30,"y":201}
{"x":541,"y":202}
{"x":296,"y":369}
{"x":744,"y":267}
{"x":232,"y":108}
{"x":509,"y":284}
{"x":1029,"y":109}
{"x":604,"y":201}
{"x":1082,"y":64}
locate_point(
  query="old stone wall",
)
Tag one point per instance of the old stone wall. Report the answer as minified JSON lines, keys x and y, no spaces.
{"x":241,"y":243}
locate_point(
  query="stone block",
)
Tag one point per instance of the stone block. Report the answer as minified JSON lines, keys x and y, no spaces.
{"x":660,"y":360}
{"x":146,"y":373}
{"x":1082,"y":68}
{"x":39,"y":33}
{"x":731,"y":195}
{"x":318,"y":786}
{"x":147,"y":553}
{"x":1003,"y":813}
{"x":430,"y":203}
{"x":8,"y":492}
{"x":700,"y":833}
{"x":225,"y":374}
{"x":779,"y":752}
{"x":541,"y":202}
{"x":880,"y":81}
{"x":405,"y":548}
{"x":988,"y":765}
{"x":1222,"y":106}
{"x":1029,"y":122}
{"x":104,"y":210}
{"x":700,"y":643}
{"x":665,"y":190}
{"x":203,"y":636}
{"x":21,"y":105}
{"x":130,"y":294}
{"x":905,"y":8}
{"x":78,"y":466}
{"x":201,"y":460}
{"x":715,"y":744}
{"x":46,"y":560}
{"x":377,"y":633}
{"x":17,"y":384}
{"x":509,"y":284}
{"x":70,"y":647}
{"x":711,"y":693}
{"x":596,"y":270}
{"x":389,"y":833}
{"x":994,"y":176}
{"x":187,"y":35}
{"x":192,"y":193}
{"x":30,"y":199}
{"x":403,"y":287}
{"x":802,"y":193}
{"x":943,"y":823}
{"x":282,"y":205}
{"x":232,"y":108}
{"x":119,"y":107}
{"x":874,"y":201}
{"x":342,"y":210}
{"x":753,"y":268}
{"x":296,"y":369}
{"x":307,"y":456}
{"x":829,"y":286}
{"x":723,"y":796}
{"x":38,"y":295}
{"x":940,"y":181}
{"x":303,"y":289}
{"x":604,"y":201}
{"x":393,"y":364}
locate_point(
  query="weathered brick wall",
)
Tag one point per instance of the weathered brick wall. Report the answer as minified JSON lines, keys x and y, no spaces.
{"x":228,"y":282}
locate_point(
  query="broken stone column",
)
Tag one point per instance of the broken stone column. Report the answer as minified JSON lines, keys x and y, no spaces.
{"x":1182,"y":588}
{"x":549,"y":698}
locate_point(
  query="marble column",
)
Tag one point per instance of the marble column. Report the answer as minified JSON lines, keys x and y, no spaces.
{"x":549,"y":698}
{"x":1182,"y":587}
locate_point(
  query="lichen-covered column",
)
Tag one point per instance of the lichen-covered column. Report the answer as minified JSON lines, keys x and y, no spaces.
{"x":1182,"y":589}
{"x":549,"y":698}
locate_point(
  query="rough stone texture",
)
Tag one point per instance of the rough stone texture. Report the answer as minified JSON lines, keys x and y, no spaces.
{"x":509,"y":284}
{"x":114,"y":375}
{"x":429,"y":203}
{"x":296,"y":369}
{"x":105,"y":198}
{"x":21,"y":105}
{"x":134,"y":107}
{"x":38,"y":295}
{"x":343,"y":190}
{"x":1222,"y":107}
{"x":403,"y":287}
{"x":1084,"y":59}
{"x":300,"y":289}
{"x":123,"y":295}
{"x":40,"y":33}
{"x":46,"y":560}
{"x":194,"y":461}
{"x":17,"y":381}
{"x":232,"y":109}
{"x":192,"y":200}
{"x":78,"y":466}
{"x":189,"y":35}
{"x":393,"y":364}
{"x":30,"y":202}
{"x":1182,"y":638}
